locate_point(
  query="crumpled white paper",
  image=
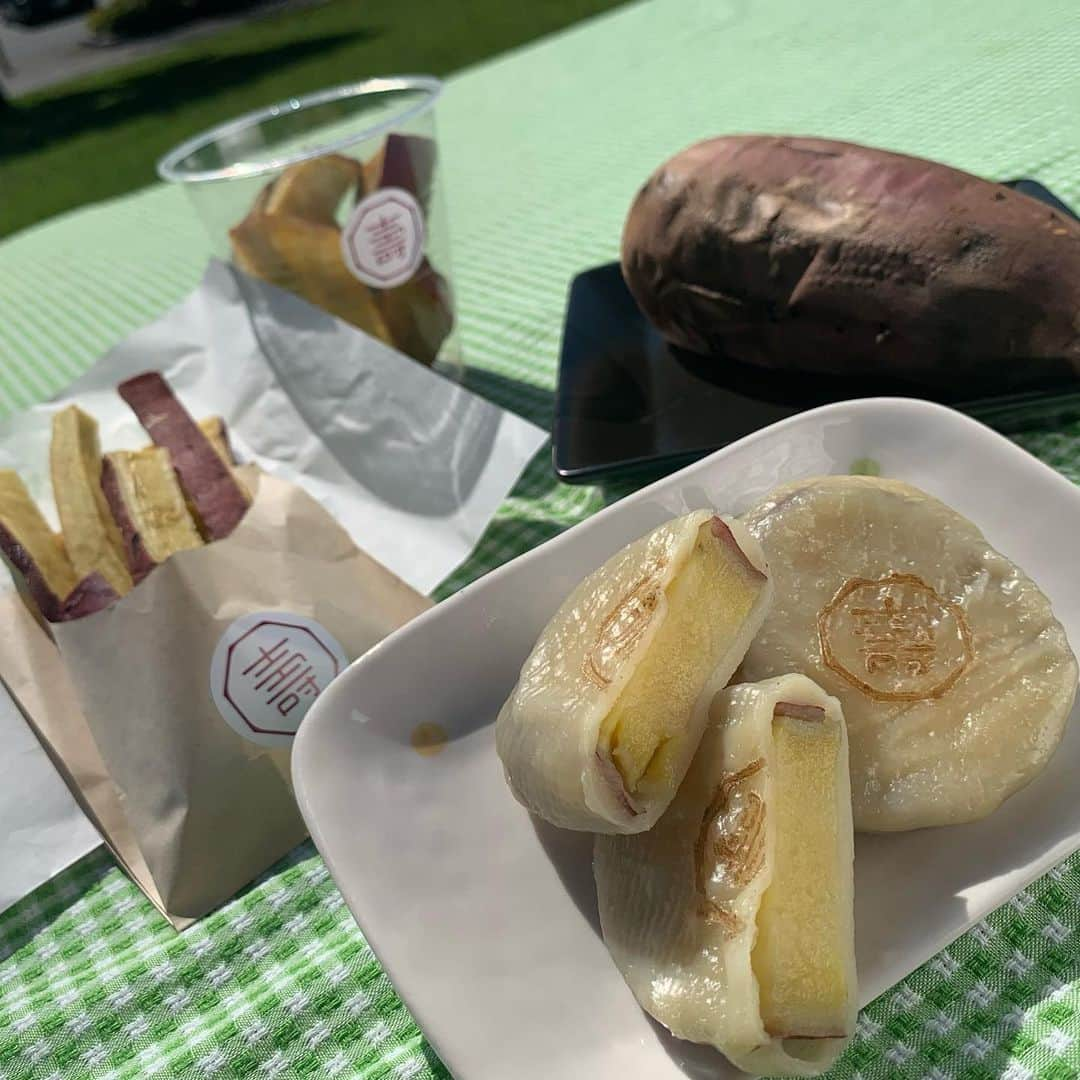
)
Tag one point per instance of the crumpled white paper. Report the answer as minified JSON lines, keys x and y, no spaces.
{"x":411,"y":464}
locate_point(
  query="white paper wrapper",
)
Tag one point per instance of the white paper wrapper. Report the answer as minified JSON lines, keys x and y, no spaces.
{"x":412,"y":465}
{"x":44,"y":830}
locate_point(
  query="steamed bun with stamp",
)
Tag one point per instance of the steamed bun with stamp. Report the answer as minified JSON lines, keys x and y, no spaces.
{"x":614,"y":697}
{"x":732,"y":918}
{"x":956,"y":680}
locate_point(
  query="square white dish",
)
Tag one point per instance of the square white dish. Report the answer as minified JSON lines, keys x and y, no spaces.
{"x":485,"y":919}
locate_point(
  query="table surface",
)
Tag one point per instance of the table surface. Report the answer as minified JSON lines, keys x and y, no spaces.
{"x":543,"y":149}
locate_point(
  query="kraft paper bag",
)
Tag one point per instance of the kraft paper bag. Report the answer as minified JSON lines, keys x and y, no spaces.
{"x":38,"y":683}
{"x":191,"y":687}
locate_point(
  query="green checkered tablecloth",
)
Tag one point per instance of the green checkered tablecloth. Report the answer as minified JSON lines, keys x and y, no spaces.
{"x":544,"y":149}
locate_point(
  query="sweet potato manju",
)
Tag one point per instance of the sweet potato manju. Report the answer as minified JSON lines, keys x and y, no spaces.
{"x":955,"y":678}
{"x":612,"y":701}
{"x":732,"y":918}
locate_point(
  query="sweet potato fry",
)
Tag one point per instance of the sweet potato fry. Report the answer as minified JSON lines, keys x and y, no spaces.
{"x":91,"y":536}
{"x":313,"y":190}
{"x":217,"y":500}
{"x":418,"y":313}
{"x":148,"y":505}
{"x":32,"y":547}
{"x":213,"y":427}
{"x":403,"y":161}
{"x":306,"y":259}
{"x":91,"y":595}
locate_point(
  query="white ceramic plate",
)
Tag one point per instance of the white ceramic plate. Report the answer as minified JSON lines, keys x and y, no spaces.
{"x":485,"y":919}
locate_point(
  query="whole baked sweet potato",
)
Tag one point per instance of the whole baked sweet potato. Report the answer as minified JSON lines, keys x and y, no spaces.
{"x":810,"y":254}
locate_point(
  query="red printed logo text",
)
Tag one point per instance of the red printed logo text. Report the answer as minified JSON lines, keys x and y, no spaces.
{"x":268,"y":669}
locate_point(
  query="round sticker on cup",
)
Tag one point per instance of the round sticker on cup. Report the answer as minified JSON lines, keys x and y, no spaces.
{"x":383,"y":240}
{"x":267,"y":670}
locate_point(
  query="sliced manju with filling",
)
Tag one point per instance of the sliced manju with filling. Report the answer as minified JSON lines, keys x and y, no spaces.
{"x":732,"y":919}
{"x":613,"y":699}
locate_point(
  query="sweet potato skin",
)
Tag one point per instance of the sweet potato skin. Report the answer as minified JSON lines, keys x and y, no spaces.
{"x":817,"y":255}
{"x":90,"y":595}
{"x":138,"y":558}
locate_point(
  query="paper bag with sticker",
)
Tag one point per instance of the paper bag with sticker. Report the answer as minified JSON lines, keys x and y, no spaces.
{"x":196,"y":612}
{"x":194,"y":683}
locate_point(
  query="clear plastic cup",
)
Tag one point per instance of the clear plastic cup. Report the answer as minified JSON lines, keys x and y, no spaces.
{"x":336,"y":196}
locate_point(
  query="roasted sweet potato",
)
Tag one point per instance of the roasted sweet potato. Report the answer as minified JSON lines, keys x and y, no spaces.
{"x":825,"y":256}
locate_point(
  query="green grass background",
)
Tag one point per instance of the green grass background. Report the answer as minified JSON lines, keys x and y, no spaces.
{"x":99,"y":136}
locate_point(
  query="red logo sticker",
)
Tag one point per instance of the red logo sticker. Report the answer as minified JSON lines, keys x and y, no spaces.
{"x":268,"y":668}
{"x":383,"y":241}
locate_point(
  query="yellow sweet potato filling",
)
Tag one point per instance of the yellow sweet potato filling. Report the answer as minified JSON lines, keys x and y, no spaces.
{"x":708,"y":600}
{"x":801,"y":956}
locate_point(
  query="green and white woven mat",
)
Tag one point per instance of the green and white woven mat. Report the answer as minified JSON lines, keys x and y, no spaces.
{"x":279,"y":983}
{"x":543,"y":149}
